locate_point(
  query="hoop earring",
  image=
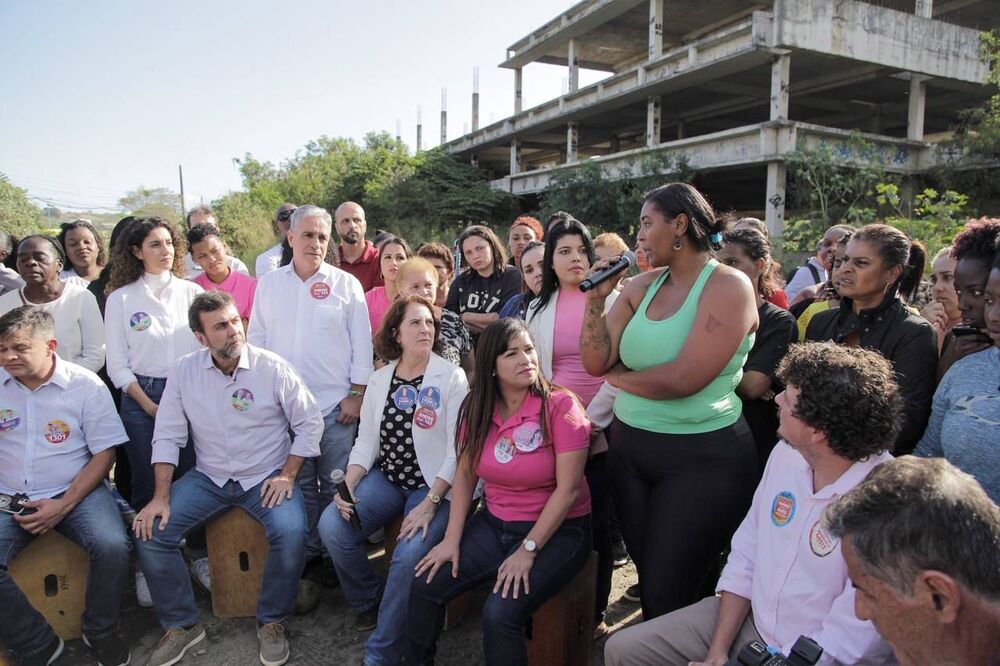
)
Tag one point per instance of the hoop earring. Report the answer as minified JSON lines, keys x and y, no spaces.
{"x":678,"y":245}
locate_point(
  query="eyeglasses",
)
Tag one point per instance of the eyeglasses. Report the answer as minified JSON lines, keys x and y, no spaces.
{"x":285,"y":215}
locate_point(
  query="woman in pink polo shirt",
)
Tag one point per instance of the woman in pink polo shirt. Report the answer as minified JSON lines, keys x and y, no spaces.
{"x":527,"y":440}
{"x":393,"y":252}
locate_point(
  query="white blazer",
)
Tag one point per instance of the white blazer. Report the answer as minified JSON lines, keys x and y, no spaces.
{"x":542,"y":327}
{"x":434,"y":445}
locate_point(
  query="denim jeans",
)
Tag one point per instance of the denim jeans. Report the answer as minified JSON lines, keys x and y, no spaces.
{"x":379,"y":502}
{"x":139,"y":426}
{"x":95,"y":524}
{"x":314,"y":476}
{"x":486,"y":542}
{"x":195,"y":500}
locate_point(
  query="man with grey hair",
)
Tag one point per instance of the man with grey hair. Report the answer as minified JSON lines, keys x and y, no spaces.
{"x":358,"y":256}
{"x":270,"y":259}
{"x":205,"y":215}
{"x":315,"y":316}
{"x":922,"y":545}
{"x":58,"y":433}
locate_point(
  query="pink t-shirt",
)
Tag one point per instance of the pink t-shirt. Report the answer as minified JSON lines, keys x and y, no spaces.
{"x":519,"y":470}
{"x":567,"y":368}
{"x":378,"y":305}
{"x":238,"y":285}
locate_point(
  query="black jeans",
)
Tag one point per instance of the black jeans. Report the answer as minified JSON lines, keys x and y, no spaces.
{"x":486,"y":542}
{"x":596,"y":473}
{"x":680,"y":498}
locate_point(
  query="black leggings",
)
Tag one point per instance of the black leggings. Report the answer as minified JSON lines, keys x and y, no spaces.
{"x":680,"y":498}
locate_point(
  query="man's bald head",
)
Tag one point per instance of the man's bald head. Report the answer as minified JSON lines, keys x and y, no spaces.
{"x":349,"y":219}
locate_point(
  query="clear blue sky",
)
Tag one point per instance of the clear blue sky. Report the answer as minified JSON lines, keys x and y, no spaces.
{"x":97,"y":98}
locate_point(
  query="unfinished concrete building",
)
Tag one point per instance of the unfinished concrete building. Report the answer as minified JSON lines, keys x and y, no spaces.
{"x":735,"y":85}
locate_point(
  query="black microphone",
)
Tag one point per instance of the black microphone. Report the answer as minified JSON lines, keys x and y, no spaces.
{"x":627,"y":260}
{"x":338,"y":479}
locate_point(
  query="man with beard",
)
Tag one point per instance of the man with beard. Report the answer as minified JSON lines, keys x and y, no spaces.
{"x":240,"y":402}
{"x":358,"y":256}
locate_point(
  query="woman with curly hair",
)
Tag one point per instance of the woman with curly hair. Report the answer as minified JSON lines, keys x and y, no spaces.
{"x":748,"y":251}
{"x":881,"y":267}
{"x":84,"y":249}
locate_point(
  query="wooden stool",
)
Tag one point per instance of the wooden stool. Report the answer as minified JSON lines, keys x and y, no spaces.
{"x":458,"y":607}
{"x":237,"y":551}
{"x":52,"y":573}
{"x":562,"y":630}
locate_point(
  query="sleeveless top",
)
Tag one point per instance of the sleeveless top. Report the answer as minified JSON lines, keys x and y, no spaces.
{"x":646,"y":343}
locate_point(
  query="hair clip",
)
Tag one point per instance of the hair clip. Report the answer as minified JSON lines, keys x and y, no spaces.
{"x":716,"y":238}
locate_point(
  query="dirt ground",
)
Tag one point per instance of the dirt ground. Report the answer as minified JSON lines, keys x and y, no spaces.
{"x":324,"y":636}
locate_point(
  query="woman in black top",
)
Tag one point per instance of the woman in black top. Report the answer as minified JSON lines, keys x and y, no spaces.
{"x":880,"y":266}
{"x":479,"y":292}
{"x":749,"y":251}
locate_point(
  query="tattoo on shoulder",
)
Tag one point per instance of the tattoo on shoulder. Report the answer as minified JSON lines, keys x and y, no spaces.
{"x":713,"y":324}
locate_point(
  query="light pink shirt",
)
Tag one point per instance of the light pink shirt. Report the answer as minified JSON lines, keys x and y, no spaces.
{"x":378,"y":305}
{"x":241,"y":287}
{"x":792,"y":570}
{"x":567,"y":367}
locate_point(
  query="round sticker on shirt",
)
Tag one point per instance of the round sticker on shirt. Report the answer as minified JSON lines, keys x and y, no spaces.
{"x":242,"y":400}
{"x":783,"y":508}
{"x":504,"y":450}
{"x":140,"y":321}
{"x":527,"y":437}
{"x":405,"y":397}
{"x":425,"y":417}
{"x":8,"y":420}
{"x":822,"y":542}
{"x":56,"y":432}
{"x":319,"y":290}
{"x":430,"y":396}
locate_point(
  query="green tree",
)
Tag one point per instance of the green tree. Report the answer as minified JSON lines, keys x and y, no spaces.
{"x":980,"y":129}
{"x":152,"y":201}
{"x":246,"y":225}
{"x":18,"y":216}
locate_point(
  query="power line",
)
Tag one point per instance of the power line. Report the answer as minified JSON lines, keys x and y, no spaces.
{"x":47,"y":183}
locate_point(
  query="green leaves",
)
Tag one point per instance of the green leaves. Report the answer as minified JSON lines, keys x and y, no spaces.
{"x":18,"y":216}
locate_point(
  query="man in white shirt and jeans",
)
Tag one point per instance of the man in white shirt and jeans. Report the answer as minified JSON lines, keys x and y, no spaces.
{"x":786,"y":575}
{"x":239,"y":402}
{"x":58,"y":433}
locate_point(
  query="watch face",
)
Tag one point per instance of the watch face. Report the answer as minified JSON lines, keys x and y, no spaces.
{"x":529,"y":545}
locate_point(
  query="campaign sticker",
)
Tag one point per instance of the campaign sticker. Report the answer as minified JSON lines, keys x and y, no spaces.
{"x":430,"y":396}
{"x":504,"y":450}
{"x":8,"y":420}
{"x":405,"y":397}
{"x":140,"y":321}
{"x":783,"y":508}
{"x":242,"y":400}
{"x":527,"y":437}
{"x":319,"y":290}
{"x":56,"y":432}
{"x":822,"y":542}
{"x":425,"y":417}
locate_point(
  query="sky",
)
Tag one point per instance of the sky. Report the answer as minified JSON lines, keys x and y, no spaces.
{"x":97,"y":98}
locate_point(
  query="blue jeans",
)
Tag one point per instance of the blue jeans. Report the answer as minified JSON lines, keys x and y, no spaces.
{"x":195,"y":500}
{"x":314,"y":476}
{"x":139,"y":426}
{"x":486,"y":542}
{"x":95,"y":524}
{"x":379,"y":502}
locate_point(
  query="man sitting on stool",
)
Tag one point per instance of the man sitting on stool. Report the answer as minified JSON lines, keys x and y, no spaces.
{"x":786,"y":575}
{"x":239,"y":402}
{"x":58,"y":430}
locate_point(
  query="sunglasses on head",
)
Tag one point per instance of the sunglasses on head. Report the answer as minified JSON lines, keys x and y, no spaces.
{"x":285,"y":215}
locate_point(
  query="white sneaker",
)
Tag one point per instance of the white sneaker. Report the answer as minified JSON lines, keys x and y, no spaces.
{"x":199,"y":569}
{"x":378,"y":536}
{"x":142,"y":594}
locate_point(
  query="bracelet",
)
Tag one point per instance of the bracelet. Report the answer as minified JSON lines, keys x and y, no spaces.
{"x":355,"y":394}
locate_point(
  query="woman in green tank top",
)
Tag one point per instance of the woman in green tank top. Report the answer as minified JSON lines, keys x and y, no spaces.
{"x":682,"y":459}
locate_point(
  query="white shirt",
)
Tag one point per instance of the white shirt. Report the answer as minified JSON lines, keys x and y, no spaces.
{"x":146,"y":334}
{"x":48,"y":435}
{"x":319,"y":325}
{"x":804,"y":278}
{"x":239,"y":423}
{"x":268,"y":260}
{"x":792,"y":570}
{"x":71,"y":275}
{"x":194,"y":269}
{"x":79,"y":326}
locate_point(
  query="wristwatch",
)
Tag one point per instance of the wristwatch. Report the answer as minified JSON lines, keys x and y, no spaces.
{"x":355,"y":394}
{"x":434,"y":498}
{"x":530,"y":545}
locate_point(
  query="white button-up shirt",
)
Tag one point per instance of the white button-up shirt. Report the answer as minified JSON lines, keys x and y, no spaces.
{"x":319,"y":325}
{"x":268,"y":260}
{"x":48,"y":435}
{"x":792,"y":570}
{"x":239,"y":423}
{"x":144,"y":334}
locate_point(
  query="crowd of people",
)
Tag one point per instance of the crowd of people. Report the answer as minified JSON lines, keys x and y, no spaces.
{"x":742,"y":436}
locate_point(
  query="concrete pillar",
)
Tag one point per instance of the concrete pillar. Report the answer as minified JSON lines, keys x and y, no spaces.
{"x":780,"y":73}
{"x":616,"y":144}
{"x":652,"y":121}
{"x":681,"y":129}
{"x":518,"y":81}
{"x":444,"y":116}
{"x":572,"y":140}
{"x":475,"y":98}
{"x":924,"y":8}
{"x":420,"y":129}
{"x":515,"y":157}
{"x":917,"y":105}
{"x":655,"y":29}
{"x":775,"y":204}
{"x":573,"y":75}
{"x":474,"y":160}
